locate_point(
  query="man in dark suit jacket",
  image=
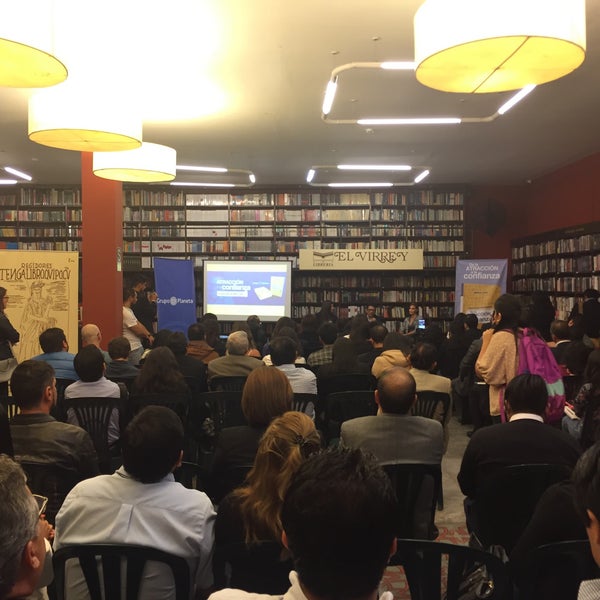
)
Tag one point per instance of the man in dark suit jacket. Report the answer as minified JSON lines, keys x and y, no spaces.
{"x":525,"y":439}
{"x":394,"y":436}
{"x":560,"y":332}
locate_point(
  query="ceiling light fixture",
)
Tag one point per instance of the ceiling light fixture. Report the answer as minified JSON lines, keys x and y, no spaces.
{"x":398,"y":65}
{"x":27,"y":57}
{"x":252,"y":178}
{"x":8,"y":181}
{"x":81,"y":118}
{"x":18,"y":173}
{"x":329,"y":96}
{"x":199,"y":184}
{"x":202,"y":169}
{"x":417,"y":121}
{"x":310,"y":175}
{"x":361,"y":185}
{"x":421,"y":176}
{"x":516,"y":98}
{"x":374,"y":167}
{"x":149,"y":163}
{"x":462,"y":46}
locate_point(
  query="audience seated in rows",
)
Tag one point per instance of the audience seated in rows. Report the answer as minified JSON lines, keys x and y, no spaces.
{"x":252,"y":513}
{"x":119,"y":367}
{"x":56,"y":353}
{"x":160,"y":374}
{"x":377,"y":334}
{"x":396,"y":350}
{"x":141,"y":504}
{"x":235,"y":363}
{"x":197,"y":346}
{"x":37,"y":437}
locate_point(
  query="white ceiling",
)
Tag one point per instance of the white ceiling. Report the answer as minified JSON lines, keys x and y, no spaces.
{"x":272,"y":60}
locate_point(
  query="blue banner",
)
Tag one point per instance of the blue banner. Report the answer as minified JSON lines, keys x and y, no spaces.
{"x":478,"y":285}
{"x":176,"y":302}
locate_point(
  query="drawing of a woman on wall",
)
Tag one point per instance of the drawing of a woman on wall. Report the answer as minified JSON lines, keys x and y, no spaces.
{"x":34,"y":320}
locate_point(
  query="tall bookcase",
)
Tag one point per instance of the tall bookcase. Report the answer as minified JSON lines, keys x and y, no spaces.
{"x":276,"y":225}
{"x":563,"y":262}
{"x":40,"y":218}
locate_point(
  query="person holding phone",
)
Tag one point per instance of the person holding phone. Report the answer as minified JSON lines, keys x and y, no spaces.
{"x":410,"y":325}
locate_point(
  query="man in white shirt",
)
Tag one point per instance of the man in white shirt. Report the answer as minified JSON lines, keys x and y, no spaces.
{"x":133,"y":330}
{"x":142,"y":504}
{"x":283,"y":355}
{"x":338,"y":524}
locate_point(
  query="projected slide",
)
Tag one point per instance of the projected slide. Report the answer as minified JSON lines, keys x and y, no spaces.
{"x":235,"y":290}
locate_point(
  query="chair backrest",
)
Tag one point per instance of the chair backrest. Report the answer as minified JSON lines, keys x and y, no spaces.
{"x":428,"y":572}
{"x":10,"y":406}
{"x":227,"y":384}
{"x":554,"y":571}
{"x":427,"y":403}
{"x":93,"y":415}
{"x":257,"y":568}
{"x":6,"y":446}
{"x":506,"y":498}
{"x":343,"y":406}
{"x":179,"y":403}
{"x":417,"y":488}
{"x":343,"y":382}
{"x":52,"y":481}
{"x":126,"y":381}
{"x":300,"y":402}
{"x":111,"y":558}
{"x":58,"y":411}
{"x":225,"y":408}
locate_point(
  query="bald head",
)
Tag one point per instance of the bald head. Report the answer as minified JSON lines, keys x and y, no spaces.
{"x":90,"y":335}
{"x":396,"y":391}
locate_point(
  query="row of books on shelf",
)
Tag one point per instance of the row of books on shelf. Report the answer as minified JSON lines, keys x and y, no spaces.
{"x":553,"y":284}
{"x":577,"y":264}
{"x":49,"y":197}
{"x":335,"y":282}
{"x":53,"y":216}
{"x":400,"y":299}
{"x":584,"y":243}
{"x":71,"y":245}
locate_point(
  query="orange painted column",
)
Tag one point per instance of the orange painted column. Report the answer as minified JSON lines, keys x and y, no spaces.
{"x":101,"y":249}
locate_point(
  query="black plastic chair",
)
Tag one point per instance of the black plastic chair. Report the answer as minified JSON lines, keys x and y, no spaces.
{"x":227,"y":384}
{"x":427,"y":403}
{"x":111,"y":558}
{"x":94,"y":415}
{"x":343,"y":382}
{"x":51,"y":481}
{"x":225,"y":408}
{"x":300,"y":402}
{"x":555,"y":571}
{"x":6,"y":446}
{"x":343,"y":406}
{"x":10,"y":406}
{"x":506,"y":498}
{"x":417,"y":488}
{"x":178,"y":403}
{"x":427,"y":580}
{"x":58,"y":411}
{"x":257,"y":568}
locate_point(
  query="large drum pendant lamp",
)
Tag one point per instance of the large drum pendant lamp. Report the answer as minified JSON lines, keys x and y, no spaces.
{"x":479,"y":46}
{"x":80,"y":117}
{"x":147,"y":164}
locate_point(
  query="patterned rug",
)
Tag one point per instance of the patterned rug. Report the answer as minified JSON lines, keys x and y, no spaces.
{"x":394,"y":580}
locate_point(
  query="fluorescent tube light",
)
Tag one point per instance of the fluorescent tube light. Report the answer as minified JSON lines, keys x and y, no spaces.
{"x":362,"y":185}
{"x":398,"y":65}
{"x":417,"y":121}
{"x":8,"y":181}
{"x":203,"y":169}
{"x":18,"y":173}
{"x":310,"y":175}
{"x":374,"y":167}
{"x":252,"y":178}
{"x":421,"y":176}
{"x":516,"y":98}
{"x":329,"y":95}
{"x":198,"y":184}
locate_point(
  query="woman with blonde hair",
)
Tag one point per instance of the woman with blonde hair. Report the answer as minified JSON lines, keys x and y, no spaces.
{"x":248,"y":527}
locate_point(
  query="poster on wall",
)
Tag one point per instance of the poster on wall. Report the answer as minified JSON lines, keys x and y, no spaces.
{"x":176,"y":302}
{"x":43,"y":288}
{"x":478,"y":285}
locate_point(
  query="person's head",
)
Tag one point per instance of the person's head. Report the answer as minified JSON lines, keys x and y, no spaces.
{"x":456,"y":329}
{"x":283,"y":351}
{"x":152,"y":444}
{"x":129,"y":296}
{"x":309,"y":323}
{"x":397,"y":341}
{"x":285,"y":445}
{"x":471,"y":321}
{"x":3,"y":299}
{"x":586,"y":477}
{"x":507,"y":312}
{"x":267,"y":394}
{"x":162,"y":338}
{"x":53,"y":340}
{"x":413,"y":310}
{"x":396,"y":391}
{"x":119,"y":348}
{"x":591,"y":294}
{"x":90,"y":335}
{"x":359,"y":329}
{"x":370,"y":311}
{"x":253,"y":321}
{"x":160,"y":373}
{"x":195,"y":332}
{"x":33,"y":385}
{"x":237,"y":343}
{"x":378,"y":334}
{"x":526,"y":393}
{"x":89,"y":363}
{"x":212,"y":331}
{"x":209,"y":317}
{"x":243,"y":326}
{"x":424,"y":357}
{"x":338,"y":521}
{"x":22,"y":546}
{"x":178,"y":343}
{"x":138,"y":282}
{"x":328,"y":333}
{"x":283,"y":322}
{"x":559,"y":330}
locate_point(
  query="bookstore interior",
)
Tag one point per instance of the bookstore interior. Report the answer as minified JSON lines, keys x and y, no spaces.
{"x":348,"y":139}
